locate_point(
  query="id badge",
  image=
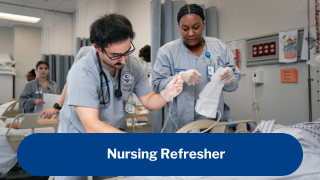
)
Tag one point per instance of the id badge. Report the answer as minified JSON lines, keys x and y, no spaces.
{"x":210,"y":71}
{"x":38,"y":92}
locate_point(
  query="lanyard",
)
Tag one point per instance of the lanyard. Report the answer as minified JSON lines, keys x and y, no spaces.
{"x":38,"y":89}
{"x":41,"y":88}
{"x":210,"y":67}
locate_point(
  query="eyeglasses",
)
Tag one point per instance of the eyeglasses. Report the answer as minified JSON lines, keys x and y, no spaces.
{"x":27,"y":76}
{"x":118,"y":57}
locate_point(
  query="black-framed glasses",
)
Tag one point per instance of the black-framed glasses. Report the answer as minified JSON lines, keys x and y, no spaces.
{"x":118,"y":57}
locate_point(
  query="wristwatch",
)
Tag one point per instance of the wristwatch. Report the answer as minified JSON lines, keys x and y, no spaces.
{"x":56,"y":106}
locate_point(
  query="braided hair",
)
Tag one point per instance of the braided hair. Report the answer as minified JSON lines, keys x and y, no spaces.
{"x":190,"y":9}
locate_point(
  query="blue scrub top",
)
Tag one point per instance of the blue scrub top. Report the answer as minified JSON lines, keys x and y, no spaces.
{"x":33,"y":91}
{"x":84,"y":90}
{"x":174,"y":57}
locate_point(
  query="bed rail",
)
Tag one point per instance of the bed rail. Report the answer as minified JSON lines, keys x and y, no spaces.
{"x":10,"y":111}
{"x":196,"y":126}
{"x":29,"y":121}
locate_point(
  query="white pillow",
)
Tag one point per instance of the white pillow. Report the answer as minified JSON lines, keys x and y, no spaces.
{"x":8,"y":73}
{"x":5,"y":58}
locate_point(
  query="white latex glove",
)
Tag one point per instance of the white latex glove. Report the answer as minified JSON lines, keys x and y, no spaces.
{"x":175,"y":84}
{"x":226,"y":75}
{"x":190,"y":77}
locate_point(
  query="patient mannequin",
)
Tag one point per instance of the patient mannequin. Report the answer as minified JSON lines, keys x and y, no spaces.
{"x":40,"y":121}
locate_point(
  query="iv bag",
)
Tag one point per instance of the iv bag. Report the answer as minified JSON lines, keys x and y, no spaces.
{"x":208,"y":101}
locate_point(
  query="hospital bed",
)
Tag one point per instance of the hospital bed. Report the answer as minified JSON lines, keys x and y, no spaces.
{"x":197,"y":126}
{"x":11,"y":138}
{"x":308,"y":170}
{"x":29,"y":121}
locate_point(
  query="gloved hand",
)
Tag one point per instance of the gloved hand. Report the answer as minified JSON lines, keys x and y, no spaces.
{"x":173,"y":89}
{"x":190,"y":77}
{"x":226,"y":75}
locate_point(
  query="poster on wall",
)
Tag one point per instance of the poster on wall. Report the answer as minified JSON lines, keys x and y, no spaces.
{"x":312,"y":43}
{"x":288,"y":46}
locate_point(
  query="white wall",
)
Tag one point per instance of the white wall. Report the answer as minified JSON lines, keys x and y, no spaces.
{"x":6,"y":42}
{"x":138,"y":12}
{"x":249,"y":18}
{"x":27,"y":52}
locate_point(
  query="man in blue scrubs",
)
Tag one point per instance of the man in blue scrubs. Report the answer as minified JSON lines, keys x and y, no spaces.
{"x":102,"y":81}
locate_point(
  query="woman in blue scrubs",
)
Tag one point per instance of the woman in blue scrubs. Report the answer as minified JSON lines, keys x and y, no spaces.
{"x":192,"y":57}
{"x":32,"y":94}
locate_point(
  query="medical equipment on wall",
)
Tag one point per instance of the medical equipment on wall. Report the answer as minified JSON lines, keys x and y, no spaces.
{"x":255,"y":102}
{"x":208,"y":101}
{"x":257,"y":78}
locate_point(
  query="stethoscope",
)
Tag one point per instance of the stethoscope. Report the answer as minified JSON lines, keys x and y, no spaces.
{"x":41,"y":89}
{"x":117,"y":92}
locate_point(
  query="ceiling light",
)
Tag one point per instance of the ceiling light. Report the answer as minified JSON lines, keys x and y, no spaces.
{"x":15,"y":17}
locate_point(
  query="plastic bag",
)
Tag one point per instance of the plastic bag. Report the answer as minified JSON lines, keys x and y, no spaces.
{"x":208,"y":101}
{"x":314,"y":63}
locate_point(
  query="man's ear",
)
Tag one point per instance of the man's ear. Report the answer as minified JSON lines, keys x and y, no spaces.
{"x":98,"y":49}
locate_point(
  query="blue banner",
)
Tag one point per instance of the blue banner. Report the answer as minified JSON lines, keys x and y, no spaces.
{"x":160,"y":154}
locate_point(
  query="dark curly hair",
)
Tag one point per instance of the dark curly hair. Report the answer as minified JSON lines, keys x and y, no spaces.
{"x":145,"y":53}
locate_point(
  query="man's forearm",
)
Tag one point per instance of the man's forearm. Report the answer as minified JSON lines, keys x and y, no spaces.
{"x":101,"y":127}
{"x":155,"y":102}
{"x":90,"y":120}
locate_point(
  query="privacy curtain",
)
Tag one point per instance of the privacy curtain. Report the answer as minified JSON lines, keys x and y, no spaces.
{"x":56,"y":45}
{"x":87,"y":12}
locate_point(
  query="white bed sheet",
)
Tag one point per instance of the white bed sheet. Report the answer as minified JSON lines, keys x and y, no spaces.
{"x":8,"y":157}
{"x":308,"y":170}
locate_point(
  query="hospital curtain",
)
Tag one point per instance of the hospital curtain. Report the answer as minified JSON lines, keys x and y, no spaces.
{"x":59,"y":68}
{"x":56,"y":46}
{"x":87,"y":12}
{"x":156,"y":116}
{"x":81,"y":42}
{"x":164,"y":28}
